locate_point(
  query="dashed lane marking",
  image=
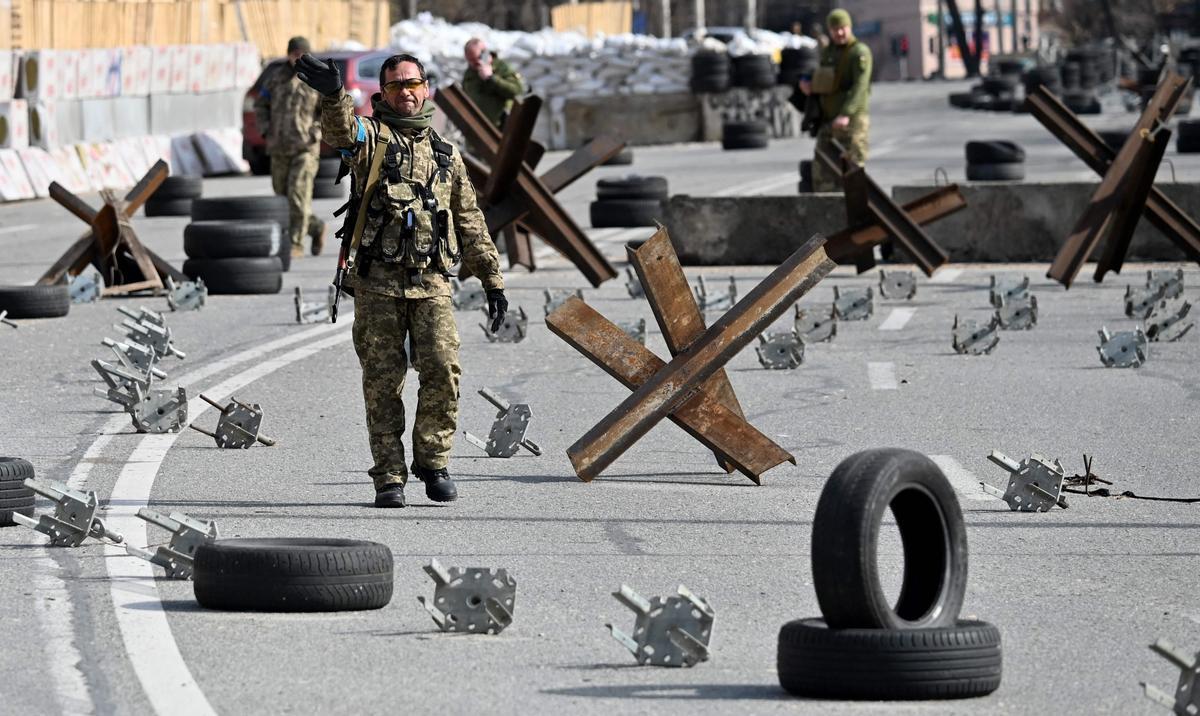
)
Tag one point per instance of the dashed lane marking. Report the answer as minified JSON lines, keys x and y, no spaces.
{"x":946,"y":275}
{"x":897,"y":319}
{"x":964,"y":481}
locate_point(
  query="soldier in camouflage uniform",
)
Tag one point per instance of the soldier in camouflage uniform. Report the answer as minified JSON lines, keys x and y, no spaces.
{"x":417,"y":222}
{"x":490,"y":83}
{"x":288,"y":116}
{"x":844,"y":115}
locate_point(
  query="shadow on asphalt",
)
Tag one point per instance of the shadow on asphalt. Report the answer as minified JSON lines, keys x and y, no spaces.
{"x":168,"y":605}
{"x":696,"y":692}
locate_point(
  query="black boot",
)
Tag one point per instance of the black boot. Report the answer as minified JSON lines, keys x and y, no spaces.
{"x":438,"y":485}
{"x":390,"y":496}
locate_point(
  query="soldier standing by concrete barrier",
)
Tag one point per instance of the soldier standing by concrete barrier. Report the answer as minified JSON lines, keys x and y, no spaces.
{"x":412,"y":215}
{"x":842,"y":82}
{"x":288,"y":116}
{"x":490,"y":83}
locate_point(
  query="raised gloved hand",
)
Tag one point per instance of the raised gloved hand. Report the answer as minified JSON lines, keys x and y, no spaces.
{"x":323,"y":77}
{"x":497,"y":307}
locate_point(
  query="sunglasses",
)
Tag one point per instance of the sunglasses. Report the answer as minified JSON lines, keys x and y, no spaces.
{"x":395,"y":87}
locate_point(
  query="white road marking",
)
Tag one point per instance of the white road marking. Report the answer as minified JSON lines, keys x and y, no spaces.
{"x":946,"y":275}
{"x":897,"y":319}
{"x":882,"y":376}
{"x":15,"y":229}
{"x":965,"y":483}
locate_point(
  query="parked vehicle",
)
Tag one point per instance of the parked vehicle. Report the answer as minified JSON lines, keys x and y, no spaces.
{"x":360,"y":76}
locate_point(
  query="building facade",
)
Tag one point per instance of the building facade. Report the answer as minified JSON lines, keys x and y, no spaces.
{"x":904,"y":34}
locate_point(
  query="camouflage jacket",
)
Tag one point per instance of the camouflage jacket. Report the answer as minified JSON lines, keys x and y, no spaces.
{"x":287,"y":113}
{"x":354,"y":136}
{"x":853,"y":89}
{"x":494,"y":96}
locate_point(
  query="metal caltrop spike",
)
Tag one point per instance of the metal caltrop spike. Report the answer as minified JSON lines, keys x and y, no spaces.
{"x":1187,"y":692}
{"x":507,"y":435}
{"x":74,"y":518}
{"x":86,"y":288}
{"x":1126,"y":349}
{"x":187,"y":534}
{"x":974,"y":339}
{"x":780,"y":351}
{"x":634,"y":329}
{"x":1007,"y":289}
{"x":671,"y":631}
{"x":150,"y":329}
{"x":1170,"y":282}
{"x":1166,"y":323}
{"x":470,"y":600}
{"x":633,"y":284}
{"x":152,"y":411}
{"x":467,"y":299}
{"x":857,"y":304}
{"x":1020,"y":314}
{"x":314,"y":311}
{"x":1140,"y":304}
{"x":135,"y":358}
{"x":1034,"y":485}
{"x":186,"y":296}
{"x":512,"y":330}
{"x":709,"y":301}
{"x":238,"y":426}
{"x":554,"y":299}
{"x":5,"y":321}
{"x":813,"y":325}
{"x":897,"y":285}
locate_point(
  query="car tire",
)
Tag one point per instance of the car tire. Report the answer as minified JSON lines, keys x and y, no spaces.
{"x":753,"y":72}
{"x":231,"y":239}
{"x":237,"y":276}
{"x":994,"y":152}
{"x":1188,"y":139}
{"x":293,"y":575}
{"x":845,"y":543}
{"x":962,"y":100}
{"x":167,"y":207}
{"x":632,"y":187}
{"x":961,"y":661}
{"x":261,"y":208}
{"x":744,"y":135}
{"x":995,"y":172}
{"x":35,"y":301}
{"x":179,"y":187}
{"x":14,"y":495}
{"x":625,"y":213}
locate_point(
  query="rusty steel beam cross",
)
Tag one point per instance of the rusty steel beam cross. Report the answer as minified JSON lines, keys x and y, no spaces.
{"x":110,"y":244}
{"x":1126,"y":190}
{"x":692,"y":389}
{"x":875,"y":218}
{"x":510,"y":191}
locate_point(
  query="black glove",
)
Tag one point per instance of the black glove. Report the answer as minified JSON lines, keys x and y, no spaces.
{"x":322,"y":77}
{"x":497,"y":307}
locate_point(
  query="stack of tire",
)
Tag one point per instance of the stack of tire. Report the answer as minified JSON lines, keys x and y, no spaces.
{"x":14,"y":495}
{"x":323,"y":186}
{"x":1188,"y":141}
{"x":1082,"y":71}
{"x":35,"y":301}
{"x":174,"y":196}
{"x":863,"y":647}
{"x":238,"y":245}
{"x":754,"y":72}
{"x":995,"y":160}
{"x":797,"y":61}
{"x":1047,"y":76}
{"x":750,"y":134}
{"x":711,"y":72}
{"x":628,"y":201}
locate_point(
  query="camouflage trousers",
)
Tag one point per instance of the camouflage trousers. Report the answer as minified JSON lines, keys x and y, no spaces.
{"x":381,"y":324}
{"x":853,"y":138}
{"x":292,"y":175}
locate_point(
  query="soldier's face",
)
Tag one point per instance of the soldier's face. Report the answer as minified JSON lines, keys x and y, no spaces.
{"x":840,"y":35}
{"x":475,"y":56}
{"x":404,"y":90}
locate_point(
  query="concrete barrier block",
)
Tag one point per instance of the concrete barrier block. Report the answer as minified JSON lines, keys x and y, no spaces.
{"x":14,"y":124}
{"x":161,"y":69}
{"x":14,"y":182}
{"x":748,"y":230}
{"x":8,"y":75}
{"x":70,"y":166}
{"x":136,"y":67}
{"x":646,"y":119}
{"x":42,"y":170}
{"x":131,"y":116}
{"x":97,"y":119}
{"x":1030,"y":221}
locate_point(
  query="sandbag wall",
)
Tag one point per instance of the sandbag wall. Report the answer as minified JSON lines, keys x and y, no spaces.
{"x":99,"y":118}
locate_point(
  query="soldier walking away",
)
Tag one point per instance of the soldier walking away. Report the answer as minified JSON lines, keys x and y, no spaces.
{"x":490,"y":83}
{"x":411,"y":217}
{"x":842,"y":84}
{"x":288,"y":115}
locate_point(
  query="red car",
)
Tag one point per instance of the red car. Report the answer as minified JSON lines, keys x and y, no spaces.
{"x":360,"y":76}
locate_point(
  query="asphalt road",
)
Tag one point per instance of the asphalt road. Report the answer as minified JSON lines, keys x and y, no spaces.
{"x":1078,"y":594}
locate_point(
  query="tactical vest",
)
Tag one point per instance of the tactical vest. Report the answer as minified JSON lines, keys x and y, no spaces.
{"x":398,"y":219}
